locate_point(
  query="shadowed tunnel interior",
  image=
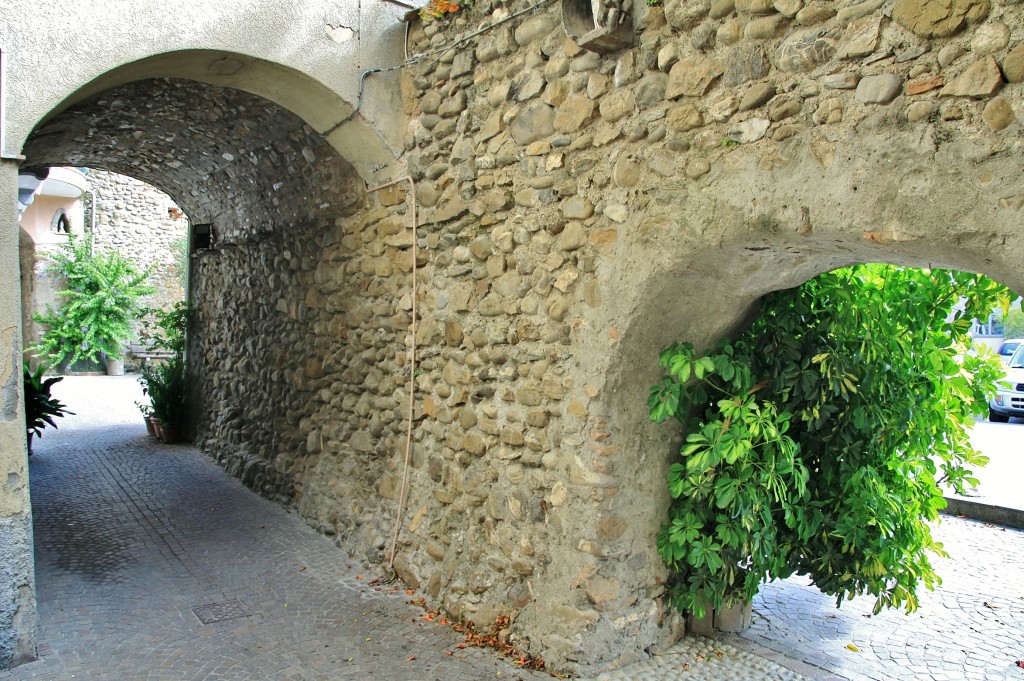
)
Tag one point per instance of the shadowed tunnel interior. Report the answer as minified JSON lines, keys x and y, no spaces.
{"x":273,"y":192}
{"x":227,"y":157}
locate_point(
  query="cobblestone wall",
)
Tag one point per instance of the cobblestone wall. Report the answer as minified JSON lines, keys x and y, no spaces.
{"x":579,"y":211}
{"x":144,"y":224}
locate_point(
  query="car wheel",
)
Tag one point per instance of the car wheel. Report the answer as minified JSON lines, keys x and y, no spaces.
{"x":997,"y":418}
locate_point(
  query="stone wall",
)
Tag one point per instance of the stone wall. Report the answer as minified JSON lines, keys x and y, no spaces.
{"x":580,"y":211}
{"x":146,"y":226}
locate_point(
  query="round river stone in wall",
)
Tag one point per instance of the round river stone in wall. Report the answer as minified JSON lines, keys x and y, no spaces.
{"x":880,"y":89}
{"x":1013,"y":65}
{"x":990,"y":38}
{"x":998,"y":114}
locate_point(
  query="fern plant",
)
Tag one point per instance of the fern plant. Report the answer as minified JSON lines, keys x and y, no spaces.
{"x":166,"y":383}
{"x":101,"y":302}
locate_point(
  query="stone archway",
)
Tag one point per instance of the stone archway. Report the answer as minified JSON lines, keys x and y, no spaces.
{"x":271,"y":189}
{"x":227,"y":157}
{"x":319,"y":107}
{"x":708,"y":262}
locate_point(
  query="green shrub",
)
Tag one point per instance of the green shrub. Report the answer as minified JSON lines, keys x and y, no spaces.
{"x":101,"y":302}
{"x":817,"y":442}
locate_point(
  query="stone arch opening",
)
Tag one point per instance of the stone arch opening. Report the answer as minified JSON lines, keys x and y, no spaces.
{"x":320,"y":107}
{"x":225,"y":156}
{"x":266,"y":191}
{"x":701,"y":297}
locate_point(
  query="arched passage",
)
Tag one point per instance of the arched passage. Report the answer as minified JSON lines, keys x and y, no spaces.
{"x":255,"y":174}
{"x":319,"y":107}
{"x":268,"y":186}
{"x":226,"y":156}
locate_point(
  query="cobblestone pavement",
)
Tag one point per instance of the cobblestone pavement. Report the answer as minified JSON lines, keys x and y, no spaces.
{"x":138,"y":544}
{"x":970,"y":628}
{"x":136,"y":541}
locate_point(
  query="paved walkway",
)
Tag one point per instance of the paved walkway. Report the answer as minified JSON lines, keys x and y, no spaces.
{"x":137,"y":543}
{"x":971,"y":628}
{"x":152,"y":563}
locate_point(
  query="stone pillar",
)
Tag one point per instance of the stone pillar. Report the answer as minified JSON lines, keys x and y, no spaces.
{"x":17,"y":579}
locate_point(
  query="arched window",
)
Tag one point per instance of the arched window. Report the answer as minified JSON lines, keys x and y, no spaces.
{"x":61,"y":223}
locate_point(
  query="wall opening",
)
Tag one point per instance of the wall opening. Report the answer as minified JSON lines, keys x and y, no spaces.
{"x":703,"y":298}
{"x":271,"y":189}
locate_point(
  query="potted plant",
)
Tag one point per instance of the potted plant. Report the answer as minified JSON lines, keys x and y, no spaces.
{"x":147,"y":413}
{"x":165,"y":381}
{"x":167,"y":387}
{"x":101,"y":304}
{"x":40,"y":407}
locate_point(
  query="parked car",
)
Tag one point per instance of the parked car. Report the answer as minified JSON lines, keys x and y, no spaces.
{"x":1009,"y":399}
{"x":1008,"y":347}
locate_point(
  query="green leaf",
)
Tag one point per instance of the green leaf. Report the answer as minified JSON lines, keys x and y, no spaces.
{"x":725,"y":491}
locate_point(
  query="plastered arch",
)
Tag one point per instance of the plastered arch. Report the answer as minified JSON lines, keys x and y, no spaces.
{"x":321,"y":108}
{"x":307,"y":57}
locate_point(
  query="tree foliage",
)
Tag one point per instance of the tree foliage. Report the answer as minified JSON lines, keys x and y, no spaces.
{"x":101,"y":303}
{"x":1013,"y":325}
{"x":817,"y":441}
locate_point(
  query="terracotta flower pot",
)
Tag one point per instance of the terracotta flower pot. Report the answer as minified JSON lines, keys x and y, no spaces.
{"x":171,"y":434}
{"x":150,"y":428}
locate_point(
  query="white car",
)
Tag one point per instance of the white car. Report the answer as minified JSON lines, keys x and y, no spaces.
{"x":1009,"y":399}
{"x":1007,"y":348}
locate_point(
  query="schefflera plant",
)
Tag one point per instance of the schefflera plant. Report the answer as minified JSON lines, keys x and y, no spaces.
{"x":818,"y":442}
{"x":738,"y":479}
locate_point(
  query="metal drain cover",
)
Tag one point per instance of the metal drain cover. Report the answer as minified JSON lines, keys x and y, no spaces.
{"x":218,"y":612}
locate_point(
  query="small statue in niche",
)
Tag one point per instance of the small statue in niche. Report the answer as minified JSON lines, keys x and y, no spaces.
{"x":610,"y":13}
{"x":601,"y":26}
